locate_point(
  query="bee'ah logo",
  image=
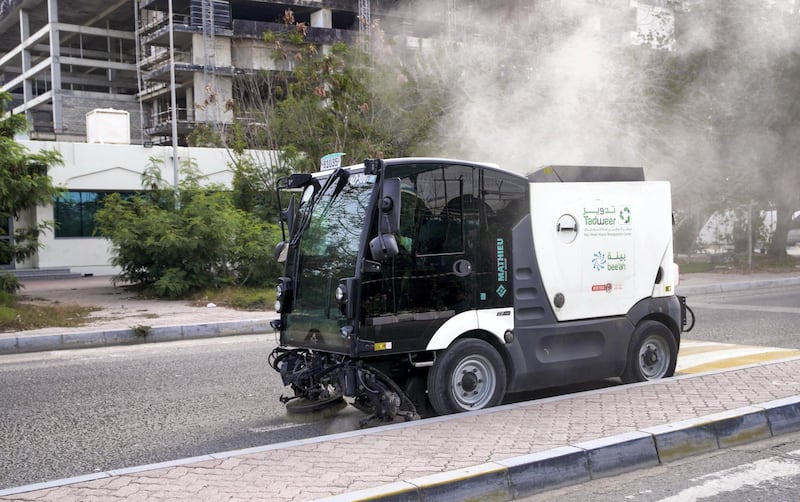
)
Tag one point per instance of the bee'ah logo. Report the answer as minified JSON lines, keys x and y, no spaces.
{"x":599,"y":261}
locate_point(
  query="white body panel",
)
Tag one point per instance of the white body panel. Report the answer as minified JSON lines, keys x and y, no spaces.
{"x":494,"y":321}
{"x":623,"y":234}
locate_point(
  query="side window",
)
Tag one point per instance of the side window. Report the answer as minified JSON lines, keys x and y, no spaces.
{"x":6,"y":229}
{"x":507,"y":198}
{"x":442,"y":230}
{"x":435,"y":233}
{"x":452,"y":211}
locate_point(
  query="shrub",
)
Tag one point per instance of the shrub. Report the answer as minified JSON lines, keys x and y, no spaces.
{"x":199,"y":243}
{"x":7,"y":315}
{"x":9,"y":283}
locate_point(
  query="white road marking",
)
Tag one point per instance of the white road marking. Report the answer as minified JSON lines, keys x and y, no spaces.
{"x":270,"y":428}
{"x":735,"y":478}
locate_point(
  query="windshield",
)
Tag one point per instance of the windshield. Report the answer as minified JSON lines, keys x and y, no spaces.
{"x":326,"y":251}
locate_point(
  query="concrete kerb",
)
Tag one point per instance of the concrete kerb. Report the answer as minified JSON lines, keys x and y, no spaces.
{"x":546,"y":470}
{"x":535,"y":473}
{"x":144,"y":334}
{"x":726,"y":287}
{"x":130,"y":336}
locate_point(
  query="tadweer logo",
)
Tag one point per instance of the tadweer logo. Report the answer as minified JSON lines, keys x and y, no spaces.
{"x":606,"y":216}
{"x":625,"y":215}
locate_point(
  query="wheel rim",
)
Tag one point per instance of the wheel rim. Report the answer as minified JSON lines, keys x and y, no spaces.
{"x":654,"y":357}
{"x":473,"y":382}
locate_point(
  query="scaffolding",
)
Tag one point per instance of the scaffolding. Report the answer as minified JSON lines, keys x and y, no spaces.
{"x":364,"y":23}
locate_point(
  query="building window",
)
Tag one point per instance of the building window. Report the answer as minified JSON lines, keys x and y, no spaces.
{"x":74,"y":212}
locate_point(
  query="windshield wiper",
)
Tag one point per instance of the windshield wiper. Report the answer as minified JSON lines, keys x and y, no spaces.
{"x":339,"y":174}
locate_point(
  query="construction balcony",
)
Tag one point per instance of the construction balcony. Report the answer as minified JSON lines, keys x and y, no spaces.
{"x":161,"y":124}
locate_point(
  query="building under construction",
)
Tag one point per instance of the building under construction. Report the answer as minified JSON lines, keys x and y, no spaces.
{"x":113,"y":84}
{"x":61,"y":59}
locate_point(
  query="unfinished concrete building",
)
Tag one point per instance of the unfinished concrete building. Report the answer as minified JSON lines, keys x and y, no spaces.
{"x":109,"y":84}
{"x":62,"y":59}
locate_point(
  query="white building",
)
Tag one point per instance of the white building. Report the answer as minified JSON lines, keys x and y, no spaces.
{"x":90,"y":172}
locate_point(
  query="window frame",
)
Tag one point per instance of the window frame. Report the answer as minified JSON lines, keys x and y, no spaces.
{"x":85,"y":215}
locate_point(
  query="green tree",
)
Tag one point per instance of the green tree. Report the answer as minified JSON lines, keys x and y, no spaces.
{"x":201,"y":242}
{"x":333,"y":99}
{"x":738,"y":64}
{"x":24,"y":184}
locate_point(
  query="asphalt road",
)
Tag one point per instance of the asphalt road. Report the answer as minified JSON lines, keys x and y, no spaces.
{"x":767,"y":317}
{"x":762,"y":471}
{"x":68,"y":413}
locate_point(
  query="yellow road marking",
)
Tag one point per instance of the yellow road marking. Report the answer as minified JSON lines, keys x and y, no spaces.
{"x":698,"y":357}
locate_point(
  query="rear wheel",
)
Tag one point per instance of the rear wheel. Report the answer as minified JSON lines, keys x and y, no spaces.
{"x":470,"y":375}
{"x":652,"y":354}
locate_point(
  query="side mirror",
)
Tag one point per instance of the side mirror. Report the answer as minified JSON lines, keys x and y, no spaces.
{"x":383,"y":247}
{"x":390,"y":207}
{"x":287,"y":216}
{"x":280,"y":251}
{"x":297,"y":180}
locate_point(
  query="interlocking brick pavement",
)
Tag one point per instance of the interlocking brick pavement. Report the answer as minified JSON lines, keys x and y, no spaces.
{"x":322,"y":467}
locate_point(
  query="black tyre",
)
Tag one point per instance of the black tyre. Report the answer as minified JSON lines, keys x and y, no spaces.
{"x":652,"y":354}
{"x":470,"y":375}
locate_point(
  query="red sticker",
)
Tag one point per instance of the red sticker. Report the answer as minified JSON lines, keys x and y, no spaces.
{"x":603,"y":287}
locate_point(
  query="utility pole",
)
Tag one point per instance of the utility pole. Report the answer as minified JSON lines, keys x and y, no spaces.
{"x":173,"y":102}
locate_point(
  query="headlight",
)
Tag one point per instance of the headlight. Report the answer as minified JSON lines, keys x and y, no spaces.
{"x":283,"y":295}
{"x":340,"y":294}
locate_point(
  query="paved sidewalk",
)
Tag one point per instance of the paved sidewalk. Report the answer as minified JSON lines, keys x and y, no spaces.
{"x":120,"y":313}
{"x":495,"y":454}
{"x":499,"y":453}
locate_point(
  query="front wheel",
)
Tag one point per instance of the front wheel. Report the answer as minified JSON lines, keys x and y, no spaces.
{"x":470,"y":375}
{"x":652,"y":354}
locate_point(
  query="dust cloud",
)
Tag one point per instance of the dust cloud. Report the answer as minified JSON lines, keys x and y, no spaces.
{"x":543,"y":82}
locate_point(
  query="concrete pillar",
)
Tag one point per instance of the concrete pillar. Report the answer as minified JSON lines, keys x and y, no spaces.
{"x":190,"y":104}
{"x":211,"y":111}
{"x":322,"y":18}
{"x":24,"y":33}
{"x":55,"y":65}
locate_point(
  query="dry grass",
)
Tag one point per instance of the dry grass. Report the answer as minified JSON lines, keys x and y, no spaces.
{"x":20,"y":316}
{"x":238,"y":298}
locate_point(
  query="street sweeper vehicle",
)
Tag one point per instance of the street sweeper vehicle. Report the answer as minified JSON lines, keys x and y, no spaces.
{"x":434,"y":286}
